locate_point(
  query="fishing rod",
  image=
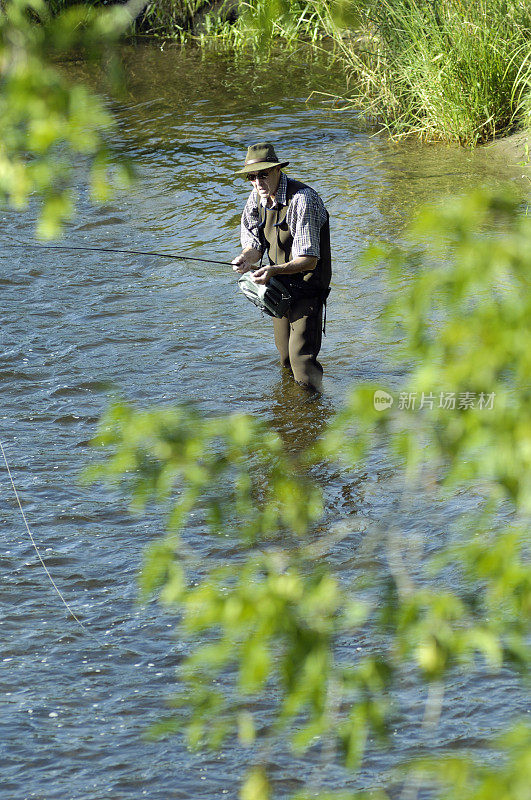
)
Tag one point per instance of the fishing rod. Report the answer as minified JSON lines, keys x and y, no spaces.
{"x":118,"y":250}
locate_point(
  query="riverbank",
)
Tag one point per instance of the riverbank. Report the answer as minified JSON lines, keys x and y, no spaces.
{"x":515,"y":150}
{"x":443,"y":71}
{"x":510,"y":156}
{"x":440,"y":72}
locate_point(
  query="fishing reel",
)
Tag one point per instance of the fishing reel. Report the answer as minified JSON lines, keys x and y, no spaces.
{"x":272,"y":297}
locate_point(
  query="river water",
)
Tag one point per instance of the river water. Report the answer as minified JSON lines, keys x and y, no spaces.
{"x":79,"y":329}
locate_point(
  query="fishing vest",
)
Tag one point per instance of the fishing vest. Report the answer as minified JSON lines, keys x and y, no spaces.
{"x":276,"y":237}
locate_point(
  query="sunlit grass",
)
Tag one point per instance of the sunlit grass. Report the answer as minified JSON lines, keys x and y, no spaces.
{"x":450,"y":70}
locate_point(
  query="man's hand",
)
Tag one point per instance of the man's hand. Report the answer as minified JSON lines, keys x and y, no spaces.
{"x":240,"y":264}
{"x":244,"y":262}
{"x":298,"y":264}
{"x":263,"y":274}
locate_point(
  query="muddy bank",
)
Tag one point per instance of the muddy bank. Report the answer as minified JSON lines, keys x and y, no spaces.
{"x":512,"y":153}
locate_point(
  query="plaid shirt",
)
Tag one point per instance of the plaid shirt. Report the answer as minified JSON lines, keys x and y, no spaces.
{"x":305,"y":217}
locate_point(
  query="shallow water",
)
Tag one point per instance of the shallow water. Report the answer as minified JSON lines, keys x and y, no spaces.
{"x":81,"y":328}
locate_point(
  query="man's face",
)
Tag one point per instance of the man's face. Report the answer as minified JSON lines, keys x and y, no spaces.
{"x":266,"y":181}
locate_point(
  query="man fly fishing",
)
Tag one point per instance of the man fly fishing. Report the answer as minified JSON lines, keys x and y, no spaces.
{"x":288,"y":220}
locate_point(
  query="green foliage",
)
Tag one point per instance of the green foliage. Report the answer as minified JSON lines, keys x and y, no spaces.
{"x":256,"y":786}
{"x":261,"y":24}
{"x":269,"y":627}
{"x":176,"y":18}
{"x":46,"y":122}
{"x":459,"y":303}
{"x":461,"y":306}
{"x":242,"y":24}
{"x":268,"y":622}
{"x":233,"y":467}
{"x":262,"y":21}
{"x":508,"y":779}
{"x":444,"y":70}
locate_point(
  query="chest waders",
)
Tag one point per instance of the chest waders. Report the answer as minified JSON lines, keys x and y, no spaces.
{"x":275,"y":236}
{"x":298,"y":333}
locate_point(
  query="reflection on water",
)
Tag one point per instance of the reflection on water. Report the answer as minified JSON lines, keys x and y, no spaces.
{"x":81,"y":328}
{"x":297,"y":416}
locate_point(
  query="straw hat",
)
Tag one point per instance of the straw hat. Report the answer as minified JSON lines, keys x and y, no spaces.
{"x":261,"y":156}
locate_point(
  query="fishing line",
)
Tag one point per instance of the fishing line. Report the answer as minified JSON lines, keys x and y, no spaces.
{"x":123,"y":650}
{"x":70,"y":610}
{"x":118,"y":250}
{"x":99,"y":250}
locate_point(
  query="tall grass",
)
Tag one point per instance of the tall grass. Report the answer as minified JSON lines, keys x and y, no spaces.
{"x":168,"y":18}
{"x":457,"y":70}
{"x":258,"y":24}
{"x":178,"y":18}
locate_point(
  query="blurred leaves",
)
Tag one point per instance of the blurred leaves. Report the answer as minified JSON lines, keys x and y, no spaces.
{"x":460,"y":304}
{"x":233,"y":470}
{"x":256,"y":786}
{"x":508,"y":778}
{"x":47,"y":122}
{"x":267,"y":625}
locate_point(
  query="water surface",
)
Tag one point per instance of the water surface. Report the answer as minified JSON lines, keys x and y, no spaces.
{"x":81,"y":328}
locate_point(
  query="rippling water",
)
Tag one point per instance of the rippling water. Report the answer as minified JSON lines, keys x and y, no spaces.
{"x":79,"y":329}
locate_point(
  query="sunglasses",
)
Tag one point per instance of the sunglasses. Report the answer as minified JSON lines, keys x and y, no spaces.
{"x":253,"y":176}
